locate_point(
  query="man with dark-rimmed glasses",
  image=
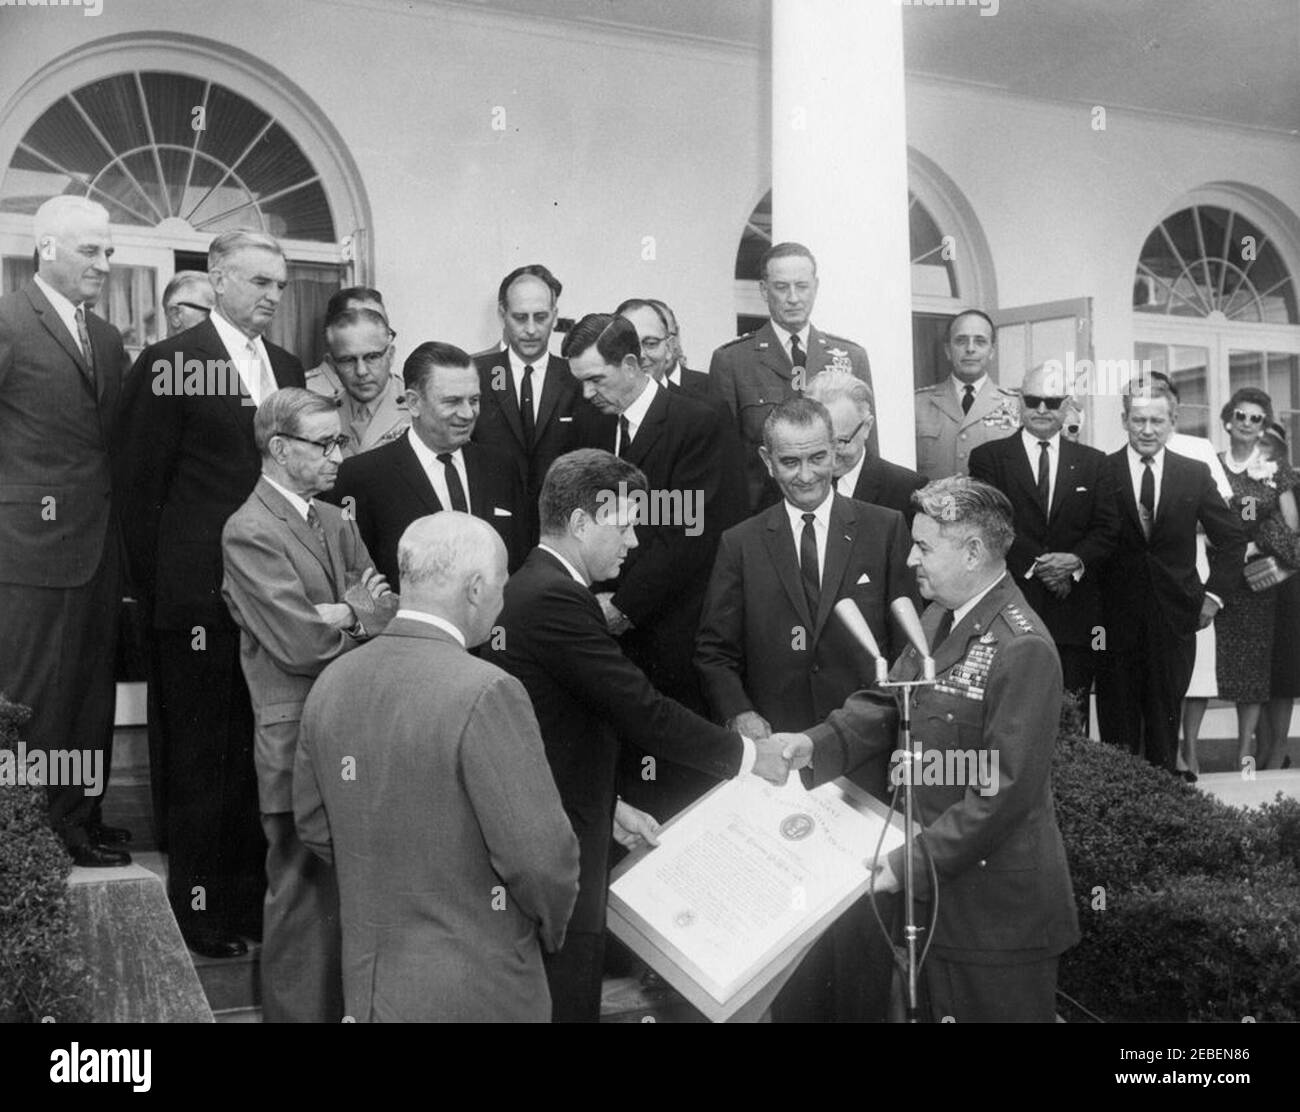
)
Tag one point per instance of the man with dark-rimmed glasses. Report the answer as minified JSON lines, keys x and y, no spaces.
{"x":1066,"y":523}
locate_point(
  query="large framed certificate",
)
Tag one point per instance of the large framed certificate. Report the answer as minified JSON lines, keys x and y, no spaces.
{"x":743,"y":883}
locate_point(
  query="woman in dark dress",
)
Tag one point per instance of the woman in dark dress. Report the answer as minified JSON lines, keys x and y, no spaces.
{"x":1281,"y":538}
{"x":1244,"y":628}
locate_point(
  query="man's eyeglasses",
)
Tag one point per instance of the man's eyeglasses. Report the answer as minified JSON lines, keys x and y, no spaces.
{"x":373,"y":360}
{"x":845,"y":441}
{"x":653,"y":343}
{"x":1248,"y":418}
{"x":1033,"y":401}
{"x":325,"y":446}
{"x":189,"y":305}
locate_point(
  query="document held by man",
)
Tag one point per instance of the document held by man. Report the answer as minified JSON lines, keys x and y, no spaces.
{"x":749,"y":874}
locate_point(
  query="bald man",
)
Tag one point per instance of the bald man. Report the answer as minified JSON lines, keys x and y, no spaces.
{"x":456,"y":862}
{"x":60,"y":380}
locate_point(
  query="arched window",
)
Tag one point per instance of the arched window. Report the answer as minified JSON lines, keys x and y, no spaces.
{"x":1215,"y":308}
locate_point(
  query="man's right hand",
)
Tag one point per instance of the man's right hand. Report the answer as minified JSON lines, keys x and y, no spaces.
{"x":752,"y":724}
{"x":768,"y":762}
{"x":796,"y":749}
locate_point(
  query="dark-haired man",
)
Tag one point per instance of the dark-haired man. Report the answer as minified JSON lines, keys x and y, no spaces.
{"x":529,"y":398}
{"x":434,"y":465}
{"x":761,"y":369}
{"x":588,"y":695}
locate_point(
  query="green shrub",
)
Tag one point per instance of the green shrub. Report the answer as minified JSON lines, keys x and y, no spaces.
{"x":41,"y":971}
{"x":1189,"y":909}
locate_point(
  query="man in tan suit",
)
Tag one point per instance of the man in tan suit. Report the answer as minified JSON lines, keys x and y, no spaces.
{"x":302,"y":589}
{"x":456,"y":862}
{"x":966,"y":409}
{"x":358,"y":375}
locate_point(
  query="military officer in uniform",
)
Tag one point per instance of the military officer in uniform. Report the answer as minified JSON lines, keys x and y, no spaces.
{"x":759,"y":370}
{"x":358,"y":375}
{"x":967,"y":408}
{"x":1006,"y":909}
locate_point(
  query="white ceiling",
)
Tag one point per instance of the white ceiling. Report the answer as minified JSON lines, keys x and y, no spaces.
{"x":1233,"y":62}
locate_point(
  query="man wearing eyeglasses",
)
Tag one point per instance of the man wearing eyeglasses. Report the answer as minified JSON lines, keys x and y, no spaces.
{"x":1066,"y":521}
{"x":303,"y":590}
{"x":371,"y":398}
{"x":187,"y":300}
{"x":188,"y":462}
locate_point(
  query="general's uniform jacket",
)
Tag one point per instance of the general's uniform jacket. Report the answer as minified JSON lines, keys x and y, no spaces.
{"x":1004,"y":885}
{"x":753,"y":374}
{"x":389,"y":417}
{"x":945,"y":437}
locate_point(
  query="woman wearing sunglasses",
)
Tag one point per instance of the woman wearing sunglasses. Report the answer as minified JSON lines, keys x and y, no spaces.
{"x":1245,"y":627}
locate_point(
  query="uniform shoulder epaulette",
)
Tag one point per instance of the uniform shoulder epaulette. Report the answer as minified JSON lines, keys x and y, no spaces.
{"x":1009,"y":391}
{"x":1016,"y":619}
{"x":736,"y":340}
{"x":830,"y":337}
{"x":929,"y":389}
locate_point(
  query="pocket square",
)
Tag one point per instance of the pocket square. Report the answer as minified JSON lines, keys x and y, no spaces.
{"x":1080,"y":490}
{"x":863,"y":578}
{"x":565,"y":420}
{"x":497,"y":511}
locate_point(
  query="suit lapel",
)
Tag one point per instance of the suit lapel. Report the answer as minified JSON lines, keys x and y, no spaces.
{"x":651,"y":428}
{"x":1021,"y":473}
{"x":205,"y":340}
{"x":505,"y":396}
{"x":816,"y":354}
{"x":840,"y":534}
{"x":1124,"y":483}
{"x":408,"y":467}
{"x":277,"y":504}
{"x":780,"y":547}
{"x":477,"y":474}
{"x":1170,"y":481}
{"x":946,"y":402}
{"x":54,"y":325}
{"x":1066,"y":474}
{"x":974,"y":624}
{"x":870,"y":482}
{"x":552,"y":388}
{"x":771,"y":352}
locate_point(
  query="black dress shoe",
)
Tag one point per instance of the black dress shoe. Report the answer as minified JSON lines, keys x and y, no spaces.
{"x":108,"y":835}
{"x":1188,"y":775}
{"x":216,"y":946}
{"x":98,"y":857}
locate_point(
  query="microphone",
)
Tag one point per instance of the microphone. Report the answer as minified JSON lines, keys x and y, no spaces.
{"x":905,"y":612}
{"x":847,"y":611}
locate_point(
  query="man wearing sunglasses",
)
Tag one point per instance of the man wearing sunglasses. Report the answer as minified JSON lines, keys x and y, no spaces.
{"x":187,"y":300}
{"x":1066,"y":523}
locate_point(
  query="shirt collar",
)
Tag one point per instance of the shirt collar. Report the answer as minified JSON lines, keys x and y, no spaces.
{"x":517,"y":365}
{"x":960,"y":386}
{"x":567,"y":566}
{"x":675,"y":375}
{"x":783,"y":334}
{"x":297,"y":501}
{"x":966,"y":607}
{"x":1135,"y":459}
{"x":426,"y":455}
{"x":62,"y":305}
{"x":1031,"y":442}
{"x":235,"y":341}
{"x":847,"y":483}
{"x":433,"y":620}
{"x":822,"y":513}
{"x":635,"y":413}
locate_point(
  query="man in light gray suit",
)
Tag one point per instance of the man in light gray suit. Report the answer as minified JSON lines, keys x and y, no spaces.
{"x":301,"y":587}
{"x":421,"y":776}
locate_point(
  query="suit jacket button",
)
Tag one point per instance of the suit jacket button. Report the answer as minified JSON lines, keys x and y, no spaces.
{"x":948,"y":716}
{"x":983,"y":864}
{"x":963,"y":436}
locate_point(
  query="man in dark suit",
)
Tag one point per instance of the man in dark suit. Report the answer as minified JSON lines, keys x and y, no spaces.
{"x":189,"y":462}
{"x":456,"y":863}
{"x":986,"y":731}
{"x":300,"y":585}
{"x":1067,"y":524}
{"x":60,"y":385}
{"x":759,"y":370}
{"x":587,"y":695}
{"x":1152,"y":599}
{"x":859,"y":472}
{"x":529,"y":397}
{"x":696,"y":383}
{"x":659,"y":353}
{"x":773,"y":656}
{"x":434,"y":465}
{"x":690,"y":458}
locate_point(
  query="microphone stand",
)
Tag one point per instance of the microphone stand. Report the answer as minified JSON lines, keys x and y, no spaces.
{"x":911,"y":762}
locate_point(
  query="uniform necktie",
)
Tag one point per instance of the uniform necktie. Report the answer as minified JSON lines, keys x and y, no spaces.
{"x":941,"y":631}
{"x":798,"y":357}
{"x":526,"y":405}
{"x":83,"y":338}
{"x":808,"y":563}
{"x":967,"y":398}
{"x":1044,"y":476}
{"x":455,"y":491}
{"x":1147,"y":496}
{"x":313,"y":522}
{"x":624,"y":436}
{"x":361,"y":422}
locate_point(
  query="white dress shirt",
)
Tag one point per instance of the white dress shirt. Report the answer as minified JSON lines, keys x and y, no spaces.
{"x":635,"y":413}
{"x":675,"y":375}
{"x":847,"y":483}
{"x":1032,"y":452}
{"x":960,"y":387}
{"x":437,"y":474}
{"x":821,"y":528}
{"x":517,"y":366}
{"x":249,"y":357}
{"x":433,"y":620}
{"x":970,"y":604}
{"x":784,"y":334}
{"x":1135,"y":469}
{"x":67,"y":312}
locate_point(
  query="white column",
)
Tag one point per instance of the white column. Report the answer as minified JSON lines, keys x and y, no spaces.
{"x":839,"y":183}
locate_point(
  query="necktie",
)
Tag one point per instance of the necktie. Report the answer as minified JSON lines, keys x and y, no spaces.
{"x":1147,"y":498}
{"x":798,"y":357}
{"x":361,"y":422}
{"x":313,"y":522}
{"x":1044,"y":476}
{"x":967,"y":398}
{"x":455,"y":491}
{"x":624,"y":436}
{"x":526,"y":405}
{"x":808,"y":563}
{"x":266,"y":384}
{"x":941,"y":631}
{"x":83,"y":338}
